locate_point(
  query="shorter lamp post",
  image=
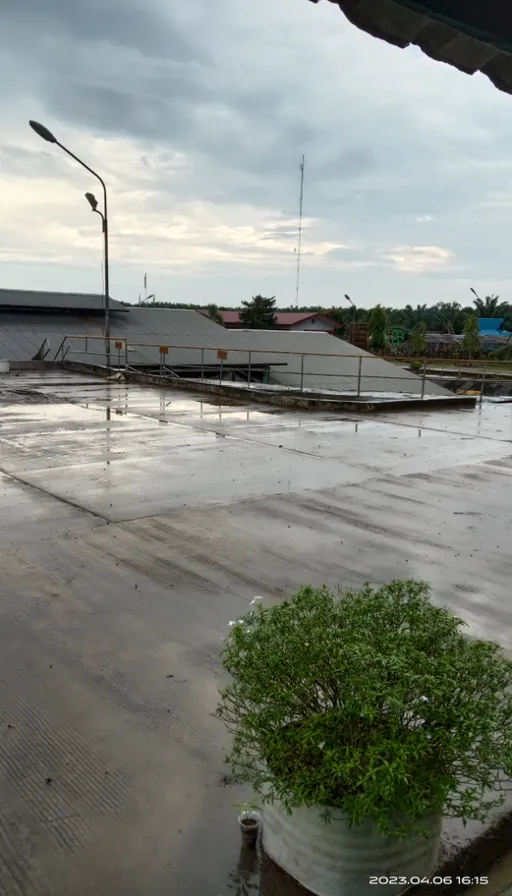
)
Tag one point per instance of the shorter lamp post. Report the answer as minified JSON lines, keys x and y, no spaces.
{"x":93,"y":202}
{"x":47,"y":135}
{"x":353,"y":317}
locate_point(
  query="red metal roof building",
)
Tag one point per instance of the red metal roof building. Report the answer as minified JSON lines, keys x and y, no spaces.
{"x":286,"y":320}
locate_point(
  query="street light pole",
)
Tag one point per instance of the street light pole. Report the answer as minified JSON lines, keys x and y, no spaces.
{"x":93,"y":202}
{"x":47,"y":135}
{"x":353,"y":317}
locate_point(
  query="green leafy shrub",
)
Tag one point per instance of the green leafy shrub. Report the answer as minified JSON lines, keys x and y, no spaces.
{"x":419,"y":339}
{"x":372,"y":702}
{"x":501,"y":354}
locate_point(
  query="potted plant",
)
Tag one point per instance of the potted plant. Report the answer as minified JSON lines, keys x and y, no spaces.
{"x":360,"y":719}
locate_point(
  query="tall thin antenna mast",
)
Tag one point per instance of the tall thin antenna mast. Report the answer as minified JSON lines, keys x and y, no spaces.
{"x":299,"y":245}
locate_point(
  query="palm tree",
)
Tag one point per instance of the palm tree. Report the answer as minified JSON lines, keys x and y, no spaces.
{"x":488,"y":307}
{"x":215,"y":315}
{"x":420,"y":313}
{"x":450,"y":316}
{"x":470,"y":344}
{"x":377,"y":325}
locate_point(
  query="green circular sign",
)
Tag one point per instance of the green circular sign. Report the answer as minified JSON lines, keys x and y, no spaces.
{"x":396,"y":336}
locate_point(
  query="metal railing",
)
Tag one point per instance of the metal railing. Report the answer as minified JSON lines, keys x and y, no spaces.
{"x":120,"y":344}
{"x":250,"y":368}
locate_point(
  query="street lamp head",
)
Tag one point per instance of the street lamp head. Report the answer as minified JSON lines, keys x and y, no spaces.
{"x":349,"y":299}
{"x":473,"y":291}
{"x":91,"y":199}
{"x":42,"y":131}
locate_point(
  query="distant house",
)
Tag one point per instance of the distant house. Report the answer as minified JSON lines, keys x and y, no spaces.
{"x":286,"y":320}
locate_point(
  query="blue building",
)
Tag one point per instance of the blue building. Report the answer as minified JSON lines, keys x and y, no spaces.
{"x":492,"y":332}
{"x":492,"y":326}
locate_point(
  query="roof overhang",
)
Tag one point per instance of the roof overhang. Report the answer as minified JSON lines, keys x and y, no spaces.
{"x":472,"y":36}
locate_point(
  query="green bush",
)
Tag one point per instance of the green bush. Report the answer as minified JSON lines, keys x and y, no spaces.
{"x":501,"y":354}
{"x":372,"y":702}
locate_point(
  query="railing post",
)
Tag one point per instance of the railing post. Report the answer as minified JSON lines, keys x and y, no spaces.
{"x":249,"y":372}
{"x":423,"y":379}
{"x":60,"y":349}
{"x":302,"y":372}
{"x":221,"y":370}
{"x":359,"y":371}
{"x":483,"y":383}
{"x":202,"y":365}
{"x":86,"y":344}
{"x":126,"y":354}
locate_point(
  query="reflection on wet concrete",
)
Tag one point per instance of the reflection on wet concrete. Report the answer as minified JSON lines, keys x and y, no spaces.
{"x":255,"y":873}
{"x":245,"y":878}
{"x":134,"y":524}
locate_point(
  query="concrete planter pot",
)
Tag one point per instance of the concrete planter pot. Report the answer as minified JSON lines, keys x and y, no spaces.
{"x":335,"y":860}
{"x":249,"y":827}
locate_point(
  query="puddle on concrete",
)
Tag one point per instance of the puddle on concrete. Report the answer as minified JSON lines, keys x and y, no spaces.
{"x":257,"y":875}
{"x":26,"y":396}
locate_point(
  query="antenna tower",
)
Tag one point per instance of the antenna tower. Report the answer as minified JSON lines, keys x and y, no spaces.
{"x":299,"y":244}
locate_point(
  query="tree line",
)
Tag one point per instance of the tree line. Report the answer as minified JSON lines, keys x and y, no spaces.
{"x":413,"y":324}
{"x":443,"y":317}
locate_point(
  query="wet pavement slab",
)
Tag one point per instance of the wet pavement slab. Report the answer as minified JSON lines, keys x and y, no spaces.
{"x":134,"y":524}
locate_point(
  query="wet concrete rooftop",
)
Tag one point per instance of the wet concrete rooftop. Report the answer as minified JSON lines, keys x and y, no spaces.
{"x":134,"y":524}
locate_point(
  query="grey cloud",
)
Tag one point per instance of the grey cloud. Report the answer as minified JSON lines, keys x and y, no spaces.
{"x":23,"y":162}
{"x":242,"y":90}
{"x":146,"y":27}
{"x":278,"y":233}
{"x":115,"y":112}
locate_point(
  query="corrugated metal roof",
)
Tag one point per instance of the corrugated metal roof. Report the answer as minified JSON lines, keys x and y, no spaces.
{"x":22,"y":334}
{"x":492,"y":326}
{"x":17,"y":344}
{"x":20,"y":331}
{"x":486,"y":338}
{"x":289,"y":318}
{"x":338,"y":373}
{"x":495,"y":334}
{"x":472,"y":36}
{"x":491,"y":323}
{"x":73,"y":301}
{"x":284,"y":318}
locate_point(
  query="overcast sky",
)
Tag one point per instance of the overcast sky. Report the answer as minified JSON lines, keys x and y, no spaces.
{"x":197,"y":113}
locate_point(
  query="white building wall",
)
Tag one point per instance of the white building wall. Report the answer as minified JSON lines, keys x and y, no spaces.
{"x":315,"y":323}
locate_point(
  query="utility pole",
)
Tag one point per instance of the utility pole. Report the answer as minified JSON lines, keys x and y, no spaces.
{"x":354,"y":312}
{"x":47,"y":135}
{"x":299,"y":244}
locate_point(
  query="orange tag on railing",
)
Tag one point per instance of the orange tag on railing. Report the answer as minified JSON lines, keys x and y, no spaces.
{"x":119,"y":345}
{"x":222,"y":355}
{"x":164,"y":349}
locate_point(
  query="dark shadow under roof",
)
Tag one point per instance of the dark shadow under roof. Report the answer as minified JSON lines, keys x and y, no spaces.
{"x":472,"y":35}
{"x":48,"y":301}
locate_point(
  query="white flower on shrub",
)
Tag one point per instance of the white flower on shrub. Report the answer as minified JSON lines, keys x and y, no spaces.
{"x":255,"y":600}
